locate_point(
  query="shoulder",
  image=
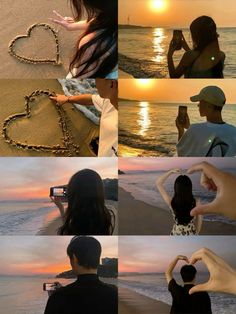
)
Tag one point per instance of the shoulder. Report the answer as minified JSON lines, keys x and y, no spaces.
{"x":189,"y":57}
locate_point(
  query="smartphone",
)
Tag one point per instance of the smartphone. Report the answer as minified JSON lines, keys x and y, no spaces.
{"x":49,"y":286}
{"x":58,"y":191}
{"x":182,"y":114}
{"x":177,"y":38}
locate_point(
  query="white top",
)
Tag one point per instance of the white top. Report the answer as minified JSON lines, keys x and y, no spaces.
{"x":208,"y":140}
{"x":108,"y":139}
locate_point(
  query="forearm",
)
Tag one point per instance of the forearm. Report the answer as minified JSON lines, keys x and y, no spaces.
{"x":169,"y":271}
{"x":161,"y":180}
{"x":198,"y":223}
{"x":78,"y":26}
{"x":83,"y":99}
{"x":171,"y":65}
{"x":180,"y":133}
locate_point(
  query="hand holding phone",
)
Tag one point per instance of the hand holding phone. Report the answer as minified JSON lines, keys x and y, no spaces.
{"x":177,"y":39}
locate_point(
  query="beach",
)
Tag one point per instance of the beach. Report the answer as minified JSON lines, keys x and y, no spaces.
{"x":143,"y":50}
{"x":131,"y":302}
{"x":51,"y":227}
{"x":17,"y":17}
{"x":139,"y":218}
{"x":42,"y":128}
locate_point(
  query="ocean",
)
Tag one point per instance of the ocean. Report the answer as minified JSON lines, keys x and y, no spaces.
{"x":148,"y":129}
{"x":25,"y":218}
{"x":142,"y":186}
{"x":154,"y":286}
{"x":25,"y":295}
{"x":149,"y":46}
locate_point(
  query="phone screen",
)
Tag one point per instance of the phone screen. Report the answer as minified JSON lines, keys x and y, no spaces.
{"x":58,"y":192}
{"x":182,"y":115}
{"x":49,"y":287}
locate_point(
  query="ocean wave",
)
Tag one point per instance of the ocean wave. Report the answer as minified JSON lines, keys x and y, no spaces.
{"x":21,"y":222}
{"x":139,"y":68}
{"x":138,"y":141}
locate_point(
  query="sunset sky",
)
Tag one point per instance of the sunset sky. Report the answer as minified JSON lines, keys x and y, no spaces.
{"x":165,"y":163}
{"x":29,"y":178}
{"x":153,"y":254}
{"x":171,"y":90}
{"x":176,"y":13}
{"x":43,"y":255}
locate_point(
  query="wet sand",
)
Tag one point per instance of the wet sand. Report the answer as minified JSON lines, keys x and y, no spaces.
{"x":42,"y":127}
{"x":139,"y":218}
{"x":131,"y":302}
{"x":17,"y":17}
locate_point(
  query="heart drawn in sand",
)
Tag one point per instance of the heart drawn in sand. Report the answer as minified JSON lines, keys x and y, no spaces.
{"x":68,"y":148}
{"x":46,"y":27}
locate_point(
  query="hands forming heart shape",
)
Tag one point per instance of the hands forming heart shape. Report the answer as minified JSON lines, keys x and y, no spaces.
{"x":48,"y":28}
{"x":69,"y":148}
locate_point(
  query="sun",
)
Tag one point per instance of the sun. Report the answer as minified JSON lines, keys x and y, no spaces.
{"x":144,"y":82}
{"x":158,"y":5}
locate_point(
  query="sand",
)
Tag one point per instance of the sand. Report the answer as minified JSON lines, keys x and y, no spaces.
{"x":17,"y":16}
{"x":42,"y":128}
{"x":139,"y":218}
{"x":52,"y":227}
{"x":131,"y":302}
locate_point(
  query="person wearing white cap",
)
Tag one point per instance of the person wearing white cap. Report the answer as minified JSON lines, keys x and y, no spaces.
{"x":213,"y":138}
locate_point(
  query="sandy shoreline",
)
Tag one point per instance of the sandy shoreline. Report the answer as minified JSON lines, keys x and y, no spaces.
{"x":150,"y":220}
{"x":52,"y":227}
{"x":131,"y":302}
{"x":42,"y":127}
{"x":17,"y":18}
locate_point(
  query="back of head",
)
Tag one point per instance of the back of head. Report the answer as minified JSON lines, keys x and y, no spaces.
{"x":188,"y":273}
{"x":103,"y":18}
{"x":183,"y":201}
{"x":203,"y":31}
{"x":86,"y":213}
{"x":87,"y":250}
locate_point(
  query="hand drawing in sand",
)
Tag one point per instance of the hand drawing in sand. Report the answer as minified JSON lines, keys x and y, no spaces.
{"x":20,"y":44}
{"x":20,"y":123}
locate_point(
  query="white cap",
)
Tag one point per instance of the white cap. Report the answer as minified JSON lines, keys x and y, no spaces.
{"x":211,"y":94}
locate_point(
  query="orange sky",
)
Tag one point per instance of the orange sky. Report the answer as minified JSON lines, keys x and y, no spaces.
{"x":176,"y":13}
{"x":30,"y":178}
{"x":171,"y":90}
{"x":43,"y":255}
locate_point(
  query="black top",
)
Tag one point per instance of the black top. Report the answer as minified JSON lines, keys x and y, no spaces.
{"x":87,"y":295}
{"x":183,"y":302}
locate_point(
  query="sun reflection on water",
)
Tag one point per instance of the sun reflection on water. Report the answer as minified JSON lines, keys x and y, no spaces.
{"x":144,"y":119}
{"x":158,"y":44}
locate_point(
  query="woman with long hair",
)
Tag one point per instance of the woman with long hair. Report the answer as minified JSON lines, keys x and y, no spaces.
{"x":96,"y":54}
{"x":181,"y":204}
{"x":86,"y":213}
{"x":205,"y":59}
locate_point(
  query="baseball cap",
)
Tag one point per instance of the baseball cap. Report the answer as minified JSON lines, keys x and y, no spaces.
{"x":211,"y":94}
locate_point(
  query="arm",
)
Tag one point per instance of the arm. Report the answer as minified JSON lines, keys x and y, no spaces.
{"x":185,"y":62}
{"x":160,"y":182}
{"x":82,"y":99}
{"x":169,"y":271}
{"x":68,"y":22}
{"x":198,"y":223}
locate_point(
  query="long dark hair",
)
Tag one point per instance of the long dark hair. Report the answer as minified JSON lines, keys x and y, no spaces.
{"x":203,"y":31}
{"x":86,"y":213}
{"x":103,"y":18}
{"x":183,"y":200}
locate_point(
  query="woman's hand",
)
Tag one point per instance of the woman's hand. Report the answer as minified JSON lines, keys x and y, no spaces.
{"x":176,"y":170}
{"x":68,"y":22}
{"x":222,"y":276}
{"x":60,"y":99}
{"x":57,"y":201}
{"x":185,"y":46}
{"x":172,"y":48}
